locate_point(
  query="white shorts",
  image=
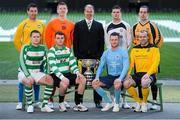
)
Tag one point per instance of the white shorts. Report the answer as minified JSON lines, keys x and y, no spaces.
{"x":36,"y":75}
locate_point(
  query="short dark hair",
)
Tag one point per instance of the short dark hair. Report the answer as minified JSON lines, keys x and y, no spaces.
{"x":35,"y":31}
{"x":62,"y":3}
{"x":115,"y":34}
{"x":31,"y":5}
{"x":88,"y":5}
{"x":144,"y":6}
{"x":116,"y":7}
{"x":59,"y":33}
{"x":144,"y":31}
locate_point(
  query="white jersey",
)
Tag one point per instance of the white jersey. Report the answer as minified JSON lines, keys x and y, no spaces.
{"x":124,"y":30}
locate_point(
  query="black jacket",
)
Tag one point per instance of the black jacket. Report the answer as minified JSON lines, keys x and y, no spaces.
{"x":88,"y":44}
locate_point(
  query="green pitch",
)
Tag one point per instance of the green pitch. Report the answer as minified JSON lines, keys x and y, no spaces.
{"x":170,"y":65}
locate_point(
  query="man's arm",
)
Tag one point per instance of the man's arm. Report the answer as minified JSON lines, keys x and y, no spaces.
{"x":43,"y":34}
{"x":159,"y":38}
{"x":71,"y":35}
{"x":76,"y":36}
{"x":52,"y":64}
{"x":156,"y":60}
{"x":101,"y":66}
{"x":45,"y":61}
{"x":131,"y":62}
{"x":48,"y":35}
{"x":73,"y":63}
{"x":125,"y":65}
{"x":22,"y":60}
{"x":134,"y":37}
{"x":129,"y":37}
{"x":106,"y":37}
{"x":101,"y":41}
{"x":18,"y":37}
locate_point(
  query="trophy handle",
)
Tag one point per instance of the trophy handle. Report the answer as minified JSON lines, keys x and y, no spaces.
{"x":80,"y":66}
{"x":97,"y":64}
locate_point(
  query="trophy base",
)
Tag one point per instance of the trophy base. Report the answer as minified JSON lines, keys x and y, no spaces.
{"x":89,"y":83}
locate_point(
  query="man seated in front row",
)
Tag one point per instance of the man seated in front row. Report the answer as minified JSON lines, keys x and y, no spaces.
{"x":62,"y":62}
{"x":117,"y":62}
{"x":33,"y":69}
{"x":144,"y":59}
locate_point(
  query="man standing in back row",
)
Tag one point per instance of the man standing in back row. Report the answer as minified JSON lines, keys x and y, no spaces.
{"x":89,"y":41}
{"x":119,"y":26}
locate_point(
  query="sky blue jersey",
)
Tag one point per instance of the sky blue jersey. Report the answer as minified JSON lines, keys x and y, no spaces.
{"x":116,"y":61}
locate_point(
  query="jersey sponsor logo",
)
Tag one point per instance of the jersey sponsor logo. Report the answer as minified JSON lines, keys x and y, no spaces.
{"x":141,"y":56}
{"x":36,"y":62}
{"x":61,"y":60}
{"x":35,"y":53}
{"x":27,"y":26}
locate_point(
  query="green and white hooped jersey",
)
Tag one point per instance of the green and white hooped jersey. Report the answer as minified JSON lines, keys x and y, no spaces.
{"x":33,"y":59}
{"x":62,"y":60}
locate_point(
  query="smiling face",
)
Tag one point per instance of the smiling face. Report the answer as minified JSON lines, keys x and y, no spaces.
{"x":114,"y":41}
{"x":32,"y":13}
{"x":143,"y":38}
{"x":89,"y":12}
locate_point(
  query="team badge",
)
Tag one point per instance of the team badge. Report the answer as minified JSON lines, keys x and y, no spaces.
{"x":38,"y":26}
{"x":63,"y":27}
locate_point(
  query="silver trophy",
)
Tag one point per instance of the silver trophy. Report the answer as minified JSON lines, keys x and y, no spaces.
{"x":88,"y":64}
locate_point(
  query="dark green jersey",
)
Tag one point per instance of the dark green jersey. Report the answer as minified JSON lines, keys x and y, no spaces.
{"x":33,"y":59}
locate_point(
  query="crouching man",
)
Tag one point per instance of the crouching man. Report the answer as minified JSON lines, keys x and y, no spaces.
{"x":117,"y":62}
{"x":33,"y":69}
{"x":64,"y":71}
{"x":144,"y":59}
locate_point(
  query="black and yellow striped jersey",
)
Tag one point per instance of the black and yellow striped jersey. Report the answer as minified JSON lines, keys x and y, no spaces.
{"x":144,"y":59}
{"x":155,"y":37}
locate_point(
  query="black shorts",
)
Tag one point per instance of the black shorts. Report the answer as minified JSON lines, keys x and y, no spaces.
{"x":108,"y":80}
{"x":71,"y":77}
{"x":137,"y":78}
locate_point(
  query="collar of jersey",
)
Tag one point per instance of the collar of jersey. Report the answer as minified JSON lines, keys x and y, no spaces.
{"x":63,"y":47}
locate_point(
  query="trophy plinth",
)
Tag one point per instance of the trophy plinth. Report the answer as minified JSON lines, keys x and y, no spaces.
{"x":88,"y":64}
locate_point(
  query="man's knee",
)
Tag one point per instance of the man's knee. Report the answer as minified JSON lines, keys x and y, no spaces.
{"x":64,"y":84}
{"x":145,"y":83}
{"x":82,"y":81}
{"x":128,"y":82}
{"x":49,"y":80}
{"x":117,"y":85}
{"x":26,"y":82}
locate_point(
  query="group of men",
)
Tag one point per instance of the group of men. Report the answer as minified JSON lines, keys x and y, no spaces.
{"x":67,"y":43}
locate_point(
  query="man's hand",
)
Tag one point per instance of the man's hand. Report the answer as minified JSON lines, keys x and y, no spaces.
{"x":146,"y":76}
{"x":80,"y":76}
{"x":31,"y":80}
{"x":117,"y":84}
{"x":65,"y":81}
